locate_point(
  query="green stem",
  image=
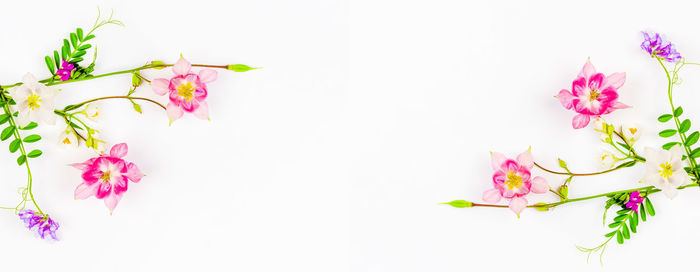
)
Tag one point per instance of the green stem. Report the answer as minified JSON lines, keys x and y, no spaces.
{"x":648,"y":189}
{"x":575,"y":174}
{"x":109,"y":97}
{"x":693,"y":164}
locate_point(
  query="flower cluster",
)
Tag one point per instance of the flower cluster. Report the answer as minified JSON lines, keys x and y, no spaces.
{"x":43,"y":225}
{"x":656,"y":48}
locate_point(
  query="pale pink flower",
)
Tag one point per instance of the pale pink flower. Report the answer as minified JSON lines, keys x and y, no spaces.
{"x":512,"y":181}
{"x":593,"y":95}
{"x":187,"y":90}
{"x":106,"y":177}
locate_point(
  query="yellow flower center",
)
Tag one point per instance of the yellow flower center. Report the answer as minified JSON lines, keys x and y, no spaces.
{"x":186,"y":90}
{"x":513,"y":180}
{"x":666,"y":170}
{"x":66,"y":141}
{"x":33,"y":101}
{"x":106,"y":176}
{"x":593,"y":95}
{"x":633,"y":130}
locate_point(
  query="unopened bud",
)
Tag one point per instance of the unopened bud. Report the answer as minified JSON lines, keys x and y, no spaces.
{"x":459,"y":204}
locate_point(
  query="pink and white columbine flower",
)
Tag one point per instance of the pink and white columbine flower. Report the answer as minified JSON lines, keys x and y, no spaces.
{"x":106,"y":177}
{"x":512,"y":181}
{"x":593,"y":95}
{"x":187,"y":90}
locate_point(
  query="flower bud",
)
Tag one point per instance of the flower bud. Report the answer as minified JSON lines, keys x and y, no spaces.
{"x":542,"y":207}
{"x":564,"y":192}
{"x":136,"y":79}
{"x":156,"y":64}
{"x":459,"y":204}
{"x":240,"y":67}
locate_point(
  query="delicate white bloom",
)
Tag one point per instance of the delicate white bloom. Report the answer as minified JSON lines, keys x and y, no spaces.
{"x":94,"y":141}
{"x":598,"y":124}
{"x":34,"y":101}
{"x":607,"y":160}
{"x":92,"y":112}
{"x":68,"y":138}
{"x":631,"y":131}
{"x":665,"y":170}
{"x":605,"y":129}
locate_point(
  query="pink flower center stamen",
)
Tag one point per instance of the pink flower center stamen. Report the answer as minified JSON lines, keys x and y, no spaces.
{"x":593,"y":95}
{"x":106,"y":176}
{"x":513,"y":181}
{"x":186,"y":90}
{"x":666,"y":170}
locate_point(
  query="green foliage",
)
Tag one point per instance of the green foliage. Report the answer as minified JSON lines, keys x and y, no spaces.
{"x":664,"y":118}
{"x":667,"y":133}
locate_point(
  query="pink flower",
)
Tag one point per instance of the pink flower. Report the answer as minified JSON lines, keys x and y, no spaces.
{"x":512,"y":181}
{"x":188,"y":91}
{"x":594,"y":94}
{"x":106,"y":177}
{"x":66,"y":69}
{"x":634,"y":201}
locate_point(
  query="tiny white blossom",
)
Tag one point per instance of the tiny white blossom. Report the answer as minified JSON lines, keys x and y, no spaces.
{"x":607,"y":160}
{"x":92,"y":112}
{"x":665,"y":170}
{"x":34,"y":101}
{"x":68,"y":138}
{"x":631,"y":131}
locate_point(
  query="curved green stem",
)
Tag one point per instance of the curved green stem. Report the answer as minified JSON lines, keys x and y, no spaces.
{"x":574,"y":174}
{"x":111,"y":97}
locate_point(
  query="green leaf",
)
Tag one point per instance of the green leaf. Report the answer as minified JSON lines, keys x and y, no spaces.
{"x":79,"y":31}
{"x":4,"y":118}
{"x":32,"y":138}
{"x":620,"y":240}
{"x":623,"y":211}
{"x":35,"y":153}
{"x":562,"y":163}
{"x":64,"y":52}
{"x":72,"y":124}
{"x":240,"y":68}
{"x":668,"y":146}
{"x":459,"y":203}
{"x":76,"y":60}
{"x":14,"y":145}
{"x":650,"y":208}
{"x":79,"y":54}
{"x":642,"y":212}
{"x":626,"y":164}
{"x":623,"y":145}
{"x":74,"y":40}
{"x":84,"y":47}
{"x":610,"y":234}
{"x":685,"y":126}
{"x":56,"y":59}
{"x":620,"y":217}
{"x":614,"y":224}
{"x":89,"y":37}
{"x":7,"y":132}
{"x":49,"y":64}
{"x":664,"y":118}
{"x":634,"y":220}
{"x":21,"y":160}
{"x":692,"y":138}
{"x":66,"y":45}
{"x":667,"y":133}
{"x":29,"y":126}
{"x":625,"y":231}
{"x":678,"y":111}
{"x":695,"y":153}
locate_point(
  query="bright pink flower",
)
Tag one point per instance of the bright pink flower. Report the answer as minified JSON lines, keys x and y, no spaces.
{"x":66,"y":69}
{"x":188,"y":91}
{"x":106,"y":177}
{"x":593,"y":95}
{"x":512,"y":181}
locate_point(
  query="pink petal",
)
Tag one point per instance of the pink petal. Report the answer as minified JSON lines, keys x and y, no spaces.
{"x":174,"y":111}
{"x":615,"y":81}
{"x":189,"y":106}
{"x":112,"y":200}
{"x":517,"y":205}
{"x":85,"y":190}
{"x":120,"y":184}
{"x":497,"y":159}
{"x":578,"y":86}
{"x":119,"y":150}
{"x":525,"y":159}
{"x":160,"y":86}
{"x":84,"y":165}
{"x":491,"y":196}
{"x":202,"y":112}
{"x":133,"y":172}
{"x":207,"y":75}
{"x":182,"y":67}
{"x":587,"y":71}
{"x":566,"y":99}
{"x":539,"y":185}
{"x":581,"y":121}
{"x":596,"y":81}
{"x":104,"y":189}
{"x":92,"y":175}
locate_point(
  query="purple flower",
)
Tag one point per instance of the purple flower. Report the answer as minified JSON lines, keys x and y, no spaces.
{"x":655,"y":46}
{"x":64,"y":72}
{"x":44,"y":226}
{"x":634,"y":201}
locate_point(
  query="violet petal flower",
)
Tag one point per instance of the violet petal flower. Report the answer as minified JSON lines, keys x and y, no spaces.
{"x":634,"y":201}
{"x":43,"y":225}
{"x":655,"y":46}
{"x":66,"y":69}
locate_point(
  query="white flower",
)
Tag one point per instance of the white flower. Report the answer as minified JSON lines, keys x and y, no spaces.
{"x":665,"y":170}
{"x":34,"y":101}
{"x":631,"y":131}
{"x":607,"y":159}
{"x":68,"y":138}
{"x":92,"y":112}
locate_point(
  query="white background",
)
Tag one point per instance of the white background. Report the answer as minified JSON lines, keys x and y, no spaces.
{"x":334,"y":156}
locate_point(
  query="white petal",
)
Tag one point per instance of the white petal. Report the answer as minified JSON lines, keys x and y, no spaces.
{"x":670,"y":192}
